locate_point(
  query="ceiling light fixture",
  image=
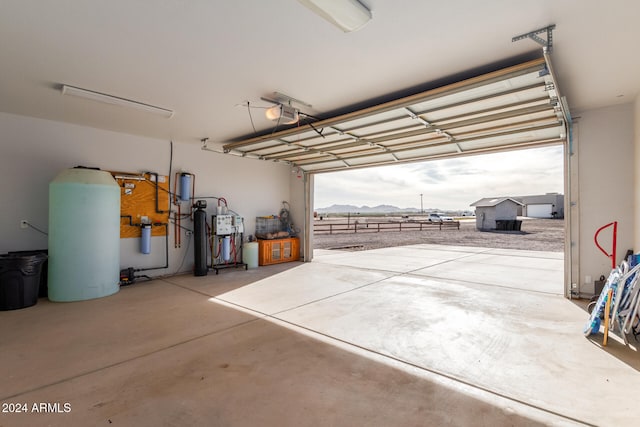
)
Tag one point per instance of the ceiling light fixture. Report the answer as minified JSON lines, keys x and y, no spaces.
{"x":115,"y":100}
{"x":348,"y":15}
{"x":285,"y":114}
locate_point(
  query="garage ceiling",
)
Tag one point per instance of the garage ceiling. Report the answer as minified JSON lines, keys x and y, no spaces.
{"x":206,"y":59}
{"x":514,"y":107}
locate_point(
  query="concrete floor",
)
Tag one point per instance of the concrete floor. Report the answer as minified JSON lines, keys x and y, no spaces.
{"x":409,"y":336}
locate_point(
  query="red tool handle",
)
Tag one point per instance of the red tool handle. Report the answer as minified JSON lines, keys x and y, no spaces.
{"x":611,"y":255}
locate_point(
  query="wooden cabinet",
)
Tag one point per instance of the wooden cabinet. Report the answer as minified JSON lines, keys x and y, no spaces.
{"x":278,"y":250}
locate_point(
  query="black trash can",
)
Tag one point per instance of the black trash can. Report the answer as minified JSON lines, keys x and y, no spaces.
{"x":43,"y":291}
{"x":517,"y":225}
{"x":20,"y":280}
{"x":501,"y":224}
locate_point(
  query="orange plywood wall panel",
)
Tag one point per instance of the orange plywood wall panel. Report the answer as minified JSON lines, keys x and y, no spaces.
{"x":138,"y":195}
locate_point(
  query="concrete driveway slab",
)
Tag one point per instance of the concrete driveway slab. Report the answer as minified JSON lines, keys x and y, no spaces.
{"x":299,"y":286}
{"x":491,"y":273}
{"x":524,"y":345}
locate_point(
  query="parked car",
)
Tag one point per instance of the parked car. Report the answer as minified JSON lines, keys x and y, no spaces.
{"x":434,"y":218}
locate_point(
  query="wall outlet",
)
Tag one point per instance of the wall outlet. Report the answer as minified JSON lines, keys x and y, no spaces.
{"x":24,"y":223}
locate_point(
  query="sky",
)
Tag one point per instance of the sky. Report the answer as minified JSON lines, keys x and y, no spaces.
{"x":450,"y":184}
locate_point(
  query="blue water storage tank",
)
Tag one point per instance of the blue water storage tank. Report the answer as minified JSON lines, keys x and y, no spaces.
{"x":84,"y":235}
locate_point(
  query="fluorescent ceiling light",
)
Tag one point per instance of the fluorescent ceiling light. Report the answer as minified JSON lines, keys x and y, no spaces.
{"x":348,"y":15}
{"x":114,"y":100}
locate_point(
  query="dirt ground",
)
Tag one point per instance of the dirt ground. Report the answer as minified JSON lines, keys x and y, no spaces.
{"x":535,"y":234}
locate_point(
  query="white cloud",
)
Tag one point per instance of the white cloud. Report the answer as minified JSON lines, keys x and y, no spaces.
{"x":446,"y":184}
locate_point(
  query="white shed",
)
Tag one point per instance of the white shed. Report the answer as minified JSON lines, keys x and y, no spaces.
{"x":490,"y":210}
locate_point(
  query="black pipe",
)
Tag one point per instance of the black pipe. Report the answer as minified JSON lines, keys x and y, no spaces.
{"x":130,"y":221}
{"x":166,"y":248}
{"x":169,"y":176}
{"x":166,"y":242}
{"x":155,"y":174}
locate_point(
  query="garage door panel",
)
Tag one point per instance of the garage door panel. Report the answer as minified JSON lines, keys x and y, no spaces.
{"x":542,"y":210}
{"x":425,"y":152}
{"x":512,"y":107}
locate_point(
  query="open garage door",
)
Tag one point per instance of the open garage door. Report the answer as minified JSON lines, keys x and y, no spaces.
{"x":515,"y":107}
{"x":508,"y":109}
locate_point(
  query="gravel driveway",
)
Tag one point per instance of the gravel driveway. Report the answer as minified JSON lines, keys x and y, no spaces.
{"x":535,"y":234}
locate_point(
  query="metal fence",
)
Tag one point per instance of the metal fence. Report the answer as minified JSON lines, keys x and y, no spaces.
{"x":320,"y":227}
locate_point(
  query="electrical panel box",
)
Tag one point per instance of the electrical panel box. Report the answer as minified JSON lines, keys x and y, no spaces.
{"x":223,"y":225}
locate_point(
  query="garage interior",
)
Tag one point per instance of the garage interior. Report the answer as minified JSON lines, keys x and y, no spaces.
{"x":418,"y":335}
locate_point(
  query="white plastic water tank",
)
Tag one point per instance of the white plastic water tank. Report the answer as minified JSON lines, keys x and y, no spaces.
{"x":250,"y":254}
{"x":84,"y":235}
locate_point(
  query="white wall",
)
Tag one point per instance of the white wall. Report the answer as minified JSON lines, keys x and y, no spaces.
{"x":636,"y":187}
{"x":34,"y":151}
{"x":297,"y":188}
{"x":310,"y":192}
{"x":605,"y":142}
{"x":507,"y":210}
{"x":485,"y":218}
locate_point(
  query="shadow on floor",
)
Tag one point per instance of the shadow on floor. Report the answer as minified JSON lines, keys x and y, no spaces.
{"x":626,"y":353}
{"x":158,"y":354}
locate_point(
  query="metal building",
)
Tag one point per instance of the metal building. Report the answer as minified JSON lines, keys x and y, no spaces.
{"x":550,"y":205}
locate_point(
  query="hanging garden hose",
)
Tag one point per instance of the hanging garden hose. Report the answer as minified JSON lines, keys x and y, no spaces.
{"x":285,"y":219}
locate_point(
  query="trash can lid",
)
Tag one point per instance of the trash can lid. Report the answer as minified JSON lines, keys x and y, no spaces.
{"x":28,"y":265}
